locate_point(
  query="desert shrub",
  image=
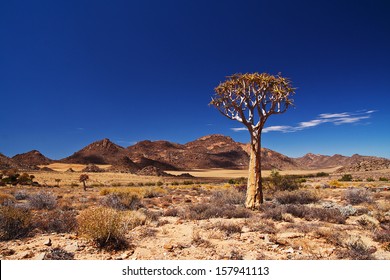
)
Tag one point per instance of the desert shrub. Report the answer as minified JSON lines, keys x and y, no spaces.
{"x":188,"y":182}
{"x":263,"y":226}
{"x":198,"y":240}
{"x":230,"y":196}
{"x":335,"y":183}
{"x":322,"y":174}
{"x":276,"y":212}
{"x":238,"y":181}
{"x":296,"y":197}
{"x":277,"y":182}
{"x":74,"y":185}
{"x":382,"y":235}
{"x":153,"y":192}
{"x":346,"y":178}
{"x":122,"y":201}
{"x":131,"y":184}
{"x":6,"y":199}
{"x":56,"y":221}
{"x":105,"y":226}
{"x":116,"y":184}
{"x":370,"y":179}
{"x":171,"y":212}
{"x":14,"y":222}
{"x":331,"y":236}
{"x":383,"y":179}
{"x":229,"y":228}
{"x":366,"y":222}
{"x":174,"y":183}
{"x":357,"y":196}
{"x":159,"y":184}
{"x":203,"y":211}
{"x":357,"y":250}
{"x":272,"y":212}
{"x":327,"y":215}
{"x":21,"y":195}
{"x":149,"y":184}
{"x":42,"y":200}
{"x":58,"y":254}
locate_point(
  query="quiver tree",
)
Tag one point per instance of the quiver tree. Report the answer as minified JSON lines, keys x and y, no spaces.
{"x":250,"y":99}
{"x":83,"y":179}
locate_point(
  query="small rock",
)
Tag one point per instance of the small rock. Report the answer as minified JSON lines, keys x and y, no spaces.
{"x":8,"y":252}
{"x":168,"y":247}
{"x":348,"y":210}
{"x":289,"y":250}
{"x":41,"y":256}
{"x":275,"y":246}
{"x":72,"y":247}
{"x":245,"y":229}
{"x":47,"y":242}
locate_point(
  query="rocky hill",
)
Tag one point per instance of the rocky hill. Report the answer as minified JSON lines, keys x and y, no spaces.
{"x":212,"y":151}
{"x":31,"y":159}
{"x":7,"y":163}
{"x":99,"y":152}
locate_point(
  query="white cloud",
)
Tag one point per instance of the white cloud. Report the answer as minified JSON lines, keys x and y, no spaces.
{"x":329,"y":116}
{"x":335,"y":118}
{"x":236,"y":129}
{"x":280,"y":128}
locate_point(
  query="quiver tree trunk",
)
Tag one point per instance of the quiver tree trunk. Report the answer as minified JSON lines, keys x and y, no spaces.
{"x":254,"y":193}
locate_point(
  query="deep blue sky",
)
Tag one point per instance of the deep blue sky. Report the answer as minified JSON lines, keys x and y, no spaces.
{"x":73,"y":72}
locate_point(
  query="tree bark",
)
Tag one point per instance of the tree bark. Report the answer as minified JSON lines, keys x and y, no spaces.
{"x":254,"y":193}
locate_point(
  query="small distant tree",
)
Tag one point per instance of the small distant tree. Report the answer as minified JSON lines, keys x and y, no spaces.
{"x":251,"y":99}
{"x":83,"y":179}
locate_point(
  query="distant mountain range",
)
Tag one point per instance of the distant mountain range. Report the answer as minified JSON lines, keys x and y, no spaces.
{"x":212,"y":151}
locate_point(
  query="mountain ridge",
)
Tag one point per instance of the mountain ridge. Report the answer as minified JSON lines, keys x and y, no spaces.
{"x":210,"y":151}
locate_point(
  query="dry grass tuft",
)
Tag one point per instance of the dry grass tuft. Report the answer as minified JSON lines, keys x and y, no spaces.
{"x":14,"y":222}
{"x":106,"y":227}
{"x":296,"y":197}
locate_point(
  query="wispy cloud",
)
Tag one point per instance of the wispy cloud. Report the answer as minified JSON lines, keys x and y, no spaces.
{"x":334,"y":118}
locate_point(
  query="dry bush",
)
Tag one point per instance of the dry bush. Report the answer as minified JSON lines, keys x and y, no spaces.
{"x":229,"y":228}
{"x":42,"y":200}
{"x":276,"y":212}
{"x":21,"y":195}
{"x":14,"y":222}
{"x":229,"y":196}
{"x":56,"y":221}
{"x":326,"y":215}
{"x":357,"y":196}
{"x":198,"y":240}
{"x":333,"y":237}
{"x":202,"y":211}
{"x":296,"y":197}
{"x":106,"y":227}
{"x":366,"y":222}
{"x":171,"y":212}
{"x":6,"y":199}
{"x":262,"y":226}
{"x":122,"y":201}
{"x":58,"y":254}
{"x":154,"y":192}
{"x":272,"y":212}
{"x":357,"y":250}
{"x":382,"y":235}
